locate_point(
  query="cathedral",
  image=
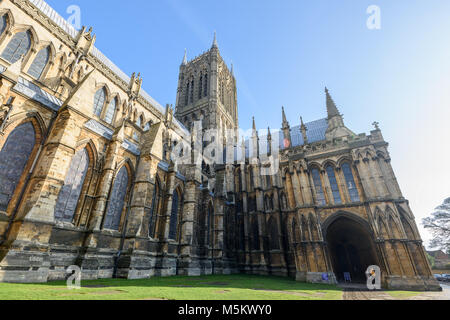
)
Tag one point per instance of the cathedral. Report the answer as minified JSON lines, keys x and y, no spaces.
{"x":95,"y":173}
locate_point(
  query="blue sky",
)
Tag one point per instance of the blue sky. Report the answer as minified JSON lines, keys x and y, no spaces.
{"x":285,"y":52}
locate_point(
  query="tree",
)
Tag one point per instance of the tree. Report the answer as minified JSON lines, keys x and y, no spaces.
{"x":439,"y":225}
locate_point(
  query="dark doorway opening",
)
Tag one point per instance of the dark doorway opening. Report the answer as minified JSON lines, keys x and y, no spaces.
{"x":352,"y":249}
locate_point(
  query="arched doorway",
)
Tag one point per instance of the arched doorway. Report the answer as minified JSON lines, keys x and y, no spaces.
{"x":351,"y":248}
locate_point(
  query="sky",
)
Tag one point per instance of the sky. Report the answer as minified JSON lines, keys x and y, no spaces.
{"x":284,"y":54}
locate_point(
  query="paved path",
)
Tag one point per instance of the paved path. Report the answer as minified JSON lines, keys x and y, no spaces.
{"x":360,"y":292}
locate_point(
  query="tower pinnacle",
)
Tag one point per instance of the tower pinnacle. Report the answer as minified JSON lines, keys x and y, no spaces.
{"x":215,"y":45}
{"x":331,"y":106}
{"x":184,"y":58}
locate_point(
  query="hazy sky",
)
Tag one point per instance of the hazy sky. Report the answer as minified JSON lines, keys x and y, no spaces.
{"x":285,"y":52}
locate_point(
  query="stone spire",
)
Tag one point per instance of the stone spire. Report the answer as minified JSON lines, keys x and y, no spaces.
{"x":269,"y":135}
{"x":185,"y":58}
{"x":286,"y":130}
{"x":285,"y":122}
{"x":254,"y":127}
{"x":331,"y":106}
{"x":215,"y":45}
{"x":303,"y":129}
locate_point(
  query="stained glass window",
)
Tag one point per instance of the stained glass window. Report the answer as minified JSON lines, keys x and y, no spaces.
{"x":39,"y":63}
{"x":3,"y":24}
{"x":13,"y":159}
{"x":117,"y":200}
{"x":318,"y":187}
{"x":110,"y":111}
{"x":99,"y":101}
{"x":350,"y":181}
{"x":70,"y":192}
{"x":17,"y":47}
{"x":334,"y":185}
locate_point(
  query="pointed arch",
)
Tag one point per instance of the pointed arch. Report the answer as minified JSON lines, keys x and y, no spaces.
{"x":117,"y":198}
{"x":99,"y":101}
{"x":110,"y":112}
{"x":19,"y":46}
{"x":40,"y":62}
{"x":6,"y":22}
{"x":155,"y":206}
{"x":330,"y":169}
{"x":18,"y":149}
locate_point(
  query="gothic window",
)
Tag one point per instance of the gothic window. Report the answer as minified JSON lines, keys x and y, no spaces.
{"x":70,"y":192}
{"x":205,"y":86}
{"x":39,"y":63}
{"x":110,"y":111}
{"x":99,"y":101}
{"x":222,"y":93}
{"x":268,"y":182}
{"x":318,"y":187}
{"x":294,"y":231}
{"x":116,"y":201}
{"x":13,"y":159}
{"x":274,"y":237}
{"x":255,"y":235}
{"x":174,"y":216}
{"x":191,"y":94}
{"x":154,"y":210}
{"x":250,"y":169}
{"x":350,"y":181}
{"x":139,"y":121}
{"x":186,"y":97}
{"x":334,"y":185}
{"x":200,"y":86}
{"x":3,"y":24}
{"x":17,"y":47}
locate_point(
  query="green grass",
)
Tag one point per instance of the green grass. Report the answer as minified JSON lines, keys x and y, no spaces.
{"x":216,"y":287}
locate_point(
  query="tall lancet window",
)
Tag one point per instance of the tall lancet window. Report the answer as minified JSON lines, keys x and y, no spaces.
{"x":334,"y":185}
{"x":14,"y":156}
{"x":186,"y":96}
{"x":99,"y":101}
{"x":200,"y":86}
{"x":17,"y":47}
{"x":205,"y":85}
{"x":116,"y":201}
{"x":318,"y":187}
{"x":70,"y":192}
{"x":350,"y":182}
{"x":39,"y":63}
{"x":174,"y":216}
{"x":3,"y":24}
{"x":110,"y":111}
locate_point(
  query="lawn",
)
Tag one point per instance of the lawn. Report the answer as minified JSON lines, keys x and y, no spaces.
{"x":216,"y":287}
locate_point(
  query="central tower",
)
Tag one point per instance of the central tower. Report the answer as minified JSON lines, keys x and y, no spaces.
{"x":207,"y":92}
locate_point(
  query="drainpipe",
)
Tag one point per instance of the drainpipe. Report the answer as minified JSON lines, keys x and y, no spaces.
{"x":122,"y":239}
{"x":27,"y":180}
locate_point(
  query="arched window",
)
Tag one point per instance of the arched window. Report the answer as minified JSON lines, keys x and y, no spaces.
{"x":70,"y":192}
{"x":3,"y":24}
{"x":174,"y":216}
{"x":13,"y":158}
{"x":116,"y":201}
{"x":191,"y":94}
{"x":318,"y":187}
{"x":250,"y":173}
{"x":205,"y":86}
{"x":334,"y":185}
{"x":350,"y":181}
{"x":17,"y":47}
{"x":110,"y":111}
{"x":186,"y":97}
{"x":274,"y":236}
{"x":139,"y":121}
{"x":200,"y":86}
{"x":147,"y":126}
{"x":255,"y":235}
{"x":154,"y":210}
{"x":268,"y":181}
{"x":209,"y":224}
{"x":39,"y":63}
{"x":99,"y":101}
{"x":294,"y":231}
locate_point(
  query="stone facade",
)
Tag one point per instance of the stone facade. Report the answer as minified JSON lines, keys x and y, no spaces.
{"x":88,"y":175}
